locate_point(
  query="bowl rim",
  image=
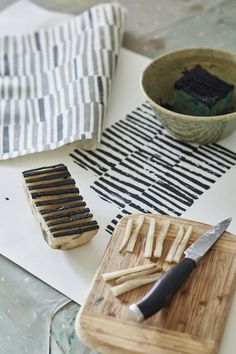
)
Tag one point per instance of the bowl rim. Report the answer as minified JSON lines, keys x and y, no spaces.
{"x":186,"y":117}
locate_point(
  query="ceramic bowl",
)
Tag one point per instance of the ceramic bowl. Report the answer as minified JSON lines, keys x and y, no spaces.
{"x":157,"y":83}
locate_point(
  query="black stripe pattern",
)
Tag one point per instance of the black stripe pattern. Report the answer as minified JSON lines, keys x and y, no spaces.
{"x":140,"y":167}
{"x":62,"y":212}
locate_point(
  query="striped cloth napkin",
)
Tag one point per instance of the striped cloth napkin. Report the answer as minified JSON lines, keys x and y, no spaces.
{"x":55,"y":83}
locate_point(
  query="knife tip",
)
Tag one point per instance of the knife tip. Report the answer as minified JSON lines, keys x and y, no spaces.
{"x":227,"y":221}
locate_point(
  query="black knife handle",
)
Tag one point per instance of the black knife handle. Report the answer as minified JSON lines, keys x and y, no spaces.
{"x":164,"y":289}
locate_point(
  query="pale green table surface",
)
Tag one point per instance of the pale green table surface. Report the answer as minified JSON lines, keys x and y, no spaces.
{"x":154,"y":26}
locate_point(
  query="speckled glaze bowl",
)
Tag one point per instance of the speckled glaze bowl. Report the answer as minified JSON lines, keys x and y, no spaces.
{"x":157,"y":83}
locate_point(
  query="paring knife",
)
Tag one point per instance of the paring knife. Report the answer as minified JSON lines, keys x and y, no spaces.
{"x":166,"y":286}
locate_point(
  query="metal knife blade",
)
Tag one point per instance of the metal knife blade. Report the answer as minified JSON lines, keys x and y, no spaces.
{"x":197,"y":250}
{"x":168,"y":284}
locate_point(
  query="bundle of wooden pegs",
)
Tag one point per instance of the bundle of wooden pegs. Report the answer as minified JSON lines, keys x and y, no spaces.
{"x":130,"y":278}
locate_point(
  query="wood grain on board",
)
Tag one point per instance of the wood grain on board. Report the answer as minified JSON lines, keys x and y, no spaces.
{"x":194,"y":320}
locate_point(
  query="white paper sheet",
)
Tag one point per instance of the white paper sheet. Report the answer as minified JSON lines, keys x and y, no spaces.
{"x":71,"y":271}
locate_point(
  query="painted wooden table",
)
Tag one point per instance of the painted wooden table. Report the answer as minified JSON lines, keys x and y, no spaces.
{"x":154,"y":27}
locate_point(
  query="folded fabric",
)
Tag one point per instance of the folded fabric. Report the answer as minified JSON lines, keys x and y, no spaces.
{"x":55,"y":83}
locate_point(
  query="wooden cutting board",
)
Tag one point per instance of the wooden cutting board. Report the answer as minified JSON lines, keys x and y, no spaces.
{"x":194,"y":320}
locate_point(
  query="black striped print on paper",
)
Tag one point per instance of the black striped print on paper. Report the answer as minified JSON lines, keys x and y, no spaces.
{"x":140,"y":167}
